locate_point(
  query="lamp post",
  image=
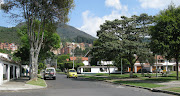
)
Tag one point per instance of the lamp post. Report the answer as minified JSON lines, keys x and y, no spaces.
{"x":73,"y":54}
{"x":121,"y":66}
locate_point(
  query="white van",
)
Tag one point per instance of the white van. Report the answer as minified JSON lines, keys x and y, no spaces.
{"x":50,"y":73}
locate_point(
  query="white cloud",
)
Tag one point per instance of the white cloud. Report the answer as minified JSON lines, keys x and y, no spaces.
{"x":1,"y":2}
{"x":157,"y":4}
{"x":115,"y":4}
{"x":91,"y":23}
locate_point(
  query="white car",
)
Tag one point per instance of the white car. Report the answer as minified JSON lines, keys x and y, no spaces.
{"x":50,"y":73}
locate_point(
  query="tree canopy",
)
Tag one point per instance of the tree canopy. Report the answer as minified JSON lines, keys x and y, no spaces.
{"x":45,"y":12}
{"x":166,"y":34}
{"x":124,"y":38}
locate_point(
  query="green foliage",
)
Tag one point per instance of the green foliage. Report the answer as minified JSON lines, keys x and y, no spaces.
{"x":123,"y":38}
{"x":9,"y":35}
{"x":42,"y":66}
{"x":166,"y":35}
{"x":5,"y":51}
{"x":62,"y":58}
{"x":80,"y":39}
{"x":51,"y":40}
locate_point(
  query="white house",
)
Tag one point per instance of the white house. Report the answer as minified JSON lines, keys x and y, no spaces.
{"x":96,"y":69}
{"x":9,"y":69}
{"x":105,"y":63}
{"x":162,"y":63}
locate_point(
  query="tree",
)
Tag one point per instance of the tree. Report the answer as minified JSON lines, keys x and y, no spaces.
{"x":124,"y":38}
{"x":46,"y":12}
{"x":51,"y":41}
{"x":166,"y":34}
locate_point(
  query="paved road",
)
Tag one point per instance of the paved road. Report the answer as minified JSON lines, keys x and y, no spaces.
{"x":63,"y":86}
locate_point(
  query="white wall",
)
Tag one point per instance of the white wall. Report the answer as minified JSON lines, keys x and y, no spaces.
{"x":105,"y":63}
{"x":85,"y":63}
{"x":97,"y":70}
{"x":4,"y":55}
{"x":1,"y":73}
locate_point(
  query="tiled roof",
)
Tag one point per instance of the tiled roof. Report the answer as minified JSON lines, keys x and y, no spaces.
{"x":75,"y":58}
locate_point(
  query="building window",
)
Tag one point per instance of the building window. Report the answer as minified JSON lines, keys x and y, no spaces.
{"x":172,"y":61}
{"x":86,"y":69}
{"x":161,"y":61}
{"x":103,"y":69}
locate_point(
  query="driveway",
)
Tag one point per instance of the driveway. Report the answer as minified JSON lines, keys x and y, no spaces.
{"x":63,"y":86}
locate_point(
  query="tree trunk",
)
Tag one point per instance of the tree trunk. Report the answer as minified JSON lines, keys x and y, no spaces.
{"x":33,"y":64}
{"x":131,"y":72}
{"x":109,"y":69}
{"x":177,"y":69}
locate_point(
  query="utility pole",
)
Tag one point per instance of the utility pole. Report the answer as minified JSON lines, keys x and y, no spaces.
{"x":156,"y":66}
{"x":121,"y":66}
{"x":73,"y":54}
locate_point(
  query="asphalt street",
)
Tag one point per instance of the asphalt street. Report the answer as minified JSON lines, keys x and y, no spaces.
{"x":63,"y":86}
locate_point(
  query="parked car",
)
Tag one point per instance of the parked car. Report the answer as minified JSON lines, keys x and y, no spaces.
{"x":50,"y":73}
{"x":72,"y":73}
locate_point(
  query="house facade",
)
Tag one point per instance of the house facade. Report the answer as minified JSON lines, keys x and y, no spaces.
{"x":9,"y":69}
{"x":96,"y":69}
{"x":83,"y":59}
{"x":162,"y":63}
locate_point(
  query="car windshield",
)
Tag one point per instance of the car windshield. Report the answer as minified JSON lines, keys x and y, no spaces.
{"x":72,"y":71}
{"x":50,"y":70}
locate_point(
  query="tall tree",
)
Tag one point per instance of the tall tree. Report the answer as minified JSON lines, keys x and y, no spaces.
{"x":166,"y":34}
{"x":51,"y":41}
{"x":46,"y":12}
{"x":125,"y":37}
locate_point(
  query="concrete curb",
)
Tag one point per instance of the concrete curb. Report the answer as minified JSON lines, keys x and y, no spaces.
{"x":150,"y":89}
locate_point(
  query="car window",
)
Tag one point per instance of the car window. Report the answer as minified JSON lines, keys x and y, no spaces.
{"x":72,"y":71}
{"x":50,"y":70}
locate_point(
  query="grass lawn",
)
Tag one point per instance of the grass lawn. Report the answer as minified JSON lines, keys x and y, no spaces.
{"x":39,"y":82}
{"x":174,"y":89}
{"x":148,"y":85}
{"x":170,"y":77}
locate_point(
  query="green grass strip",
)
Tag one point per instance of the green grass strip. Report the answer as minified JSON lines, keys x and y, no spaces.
{"x":39,"y":82}
{"x":147,"y":85}
{"x":174,"y":89}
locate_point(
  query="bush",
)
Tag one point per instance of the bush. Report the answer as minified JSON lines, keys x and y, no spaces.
{"x":58,"y":70}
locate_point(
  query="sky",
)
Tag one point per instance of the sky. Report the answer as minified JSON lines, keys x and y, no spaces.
{"x":88,"y":15}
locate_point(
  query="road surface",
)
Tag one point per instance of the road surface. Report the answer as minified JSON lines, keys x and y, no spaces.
{"x":63,"y":86}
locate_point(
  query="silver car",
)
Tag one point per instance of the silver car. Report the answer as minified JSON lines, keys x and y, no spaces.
{"x":50,"y":73}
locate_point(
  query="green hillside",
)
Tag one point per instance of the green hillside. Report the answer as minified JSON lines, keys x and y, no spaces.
{"x":9,"y":35}
{"x":67,"y":34}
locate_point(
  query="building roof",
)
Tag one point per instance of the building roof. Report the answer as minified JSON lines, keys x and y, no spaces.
{"x":75,"y":58}
{"x":97,"y":67}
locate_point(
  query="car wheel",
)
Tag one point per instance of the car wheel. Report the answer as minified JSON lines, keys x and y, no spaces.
{"x":54,"y":78}
{"x":44,"y":78}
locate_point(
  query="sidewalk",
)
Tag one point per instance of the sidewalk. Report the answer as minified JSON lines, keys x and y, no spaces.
{"x":18,"y":84}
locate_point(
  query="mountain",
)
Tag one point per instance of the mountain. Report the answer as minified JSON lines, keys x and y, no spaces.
{"x":67,"y":33}
{"x":9,"y":35}
{"x":70,"y":33}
